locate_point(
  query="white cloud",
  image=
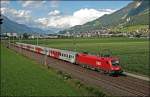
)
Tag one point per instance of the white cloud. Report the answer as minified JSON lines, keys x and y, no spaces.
{"x":79,"y":17}
{"x":44,"y":21}
{"x":54,"y":3}
{"x":32,"y":3}
{"x":3,"y":10}
{"x":5,"y":3}
{"x":20,"y":16}
{"x":55,"y":12}
{"x":26,"y":3}
{"x":54,"y":19}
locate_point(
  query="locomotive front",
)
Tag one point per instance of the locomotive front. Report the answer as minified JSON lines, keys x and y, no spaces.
{"x":115,"y":66}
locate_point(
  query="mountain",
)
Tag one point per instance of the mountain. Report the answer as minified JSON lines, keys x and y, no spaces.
{"x":11,"y":26}
{"x":134,"y":14}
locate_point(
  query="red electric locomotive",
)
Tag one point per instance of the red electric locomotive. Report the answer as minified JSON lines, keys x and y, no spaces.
{"x":107,"y":64}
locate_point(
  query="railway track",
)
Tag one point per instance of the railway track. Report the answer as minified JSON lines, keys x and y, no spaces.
{"x":109,"y":81}
{"x":118,"y":86}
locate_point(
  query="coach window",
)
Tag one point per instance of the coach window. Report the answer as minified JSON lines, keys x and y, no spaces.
{"x":70,"y":56}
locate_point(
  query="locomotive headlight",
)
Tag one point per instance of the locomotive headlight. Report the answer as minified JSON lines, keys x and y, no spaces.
{"x":98,"y":63}
{"x":117,"y":61}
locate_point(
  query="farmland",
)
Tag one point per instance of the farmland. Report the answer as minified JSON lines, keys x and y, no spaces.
{"x":21,"y":76}
{"x":133,"y":52}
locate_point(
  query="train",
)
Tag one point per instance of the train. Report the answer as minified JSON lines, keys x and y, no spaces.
{"x":109,"y":65}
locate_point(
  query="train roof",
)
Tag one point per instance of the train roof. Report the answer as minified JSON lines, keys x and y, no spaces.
{"x":49,"y":48}
{"x":98,"y":57}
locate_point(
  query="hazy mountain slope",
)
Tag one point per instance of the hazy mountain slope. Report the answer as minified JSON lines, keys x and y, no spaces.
{"x":11,"y":26}
{"x":135,"y":13}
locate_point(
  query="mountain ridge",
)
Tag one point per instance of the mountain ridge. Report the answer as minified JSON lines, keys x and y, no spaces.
{"x":130,"y":15}
{"x":12,"y":26}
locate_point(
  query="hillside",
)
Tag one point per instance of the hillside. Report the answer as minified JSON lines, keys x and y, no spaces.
{"x":135,"y":13}
{"x":11,"y":26}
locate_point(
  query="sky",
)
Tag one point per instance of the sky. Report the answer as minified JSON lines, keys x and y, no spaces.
{"x":58,"y":14}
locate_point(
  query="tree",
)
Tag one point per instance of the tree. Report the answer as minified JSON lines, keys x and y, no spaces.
{"x":26,"y":35}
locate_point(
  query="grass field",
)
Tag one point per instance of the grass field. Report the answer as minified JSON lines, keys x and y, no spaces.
{"x":21,"y":76}
{"x":133,"y":52}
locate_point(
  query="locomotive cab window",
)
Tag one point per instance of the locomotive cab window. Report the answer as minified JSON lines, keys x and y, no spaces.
{"x":115,"y":62}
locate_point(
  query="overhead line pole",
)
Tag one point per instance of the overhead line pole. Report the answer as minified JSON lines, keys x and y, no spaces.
{"x":13,"y":38}
{"x":37,"y":40}
{"x":9,"y":41}
{"x":20,"y":42}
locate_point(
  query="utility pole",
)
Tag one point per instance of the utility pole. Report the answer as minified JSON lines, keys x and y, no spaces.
{"x":13,"y":37}
{"x":37,"y":40}
{"x":20,"y":42}
{"x":45,"y":58}
{"x":9,"y":41}
{"x":74,"y":42}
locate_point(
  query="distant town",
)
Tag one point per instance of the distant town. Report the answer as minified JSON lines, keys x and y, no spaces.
{"x":94,"y":33}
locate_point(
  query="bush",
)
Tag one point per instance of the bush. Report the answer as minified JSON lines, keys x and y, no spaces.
{"x":64,"y":75}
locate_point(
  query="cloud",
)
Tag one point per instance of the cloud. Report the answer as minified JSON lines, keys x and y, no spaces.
{"x":55,"y":12}
{"x":54,"y":3}
{"x":3,"y":10}
{"x":54,"y":19}
{"x":44,"y":21}
{"x":31,"y":4}
{"x":79,"y":17}
{"x":5,"y":3}
{"x":20,"y":16}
